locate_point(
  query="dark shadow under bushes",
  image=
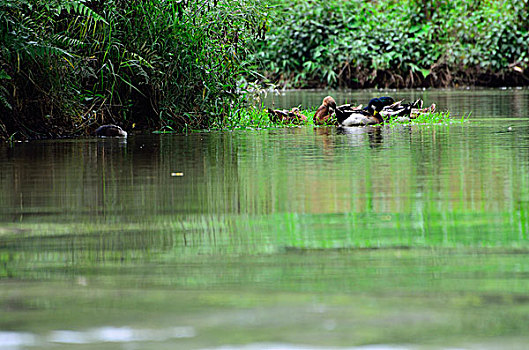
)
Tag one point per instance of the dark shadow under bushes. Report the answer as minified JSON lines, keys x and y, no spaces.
{"x":397,"y":44}
{"x":68,"y":66}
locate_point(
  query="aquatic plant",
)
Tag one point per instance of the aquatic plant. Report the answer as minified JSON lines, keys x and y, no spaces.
{"x":259,"y":118}
{"x":439,"y":117}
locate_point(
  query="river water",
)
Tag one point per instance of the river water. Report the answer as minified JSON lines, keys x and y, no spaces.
{"x":407,"y":237}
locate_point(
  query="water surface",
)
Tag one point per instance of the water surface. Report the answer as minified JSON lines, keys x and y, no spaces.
{"x":290,"y":238}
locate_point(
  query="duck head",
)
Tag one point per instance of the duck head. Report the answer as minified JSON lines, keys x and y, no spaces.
{"x":329,"y":102}
{"x":375,"y":105}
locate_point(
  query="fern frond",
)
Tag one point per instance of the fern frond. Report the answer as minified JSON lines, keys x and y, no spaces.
{"x":4,"y":75}
{"x":79,"y":8}
{"x":29,"y":26}
{"x":35,"y":49}
{"x":68,"y":41}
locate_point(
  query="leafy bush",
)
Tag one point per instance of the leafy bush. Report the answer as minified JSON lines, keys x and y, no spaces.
{"x":396,"y":44}
{"x":68,"y":65}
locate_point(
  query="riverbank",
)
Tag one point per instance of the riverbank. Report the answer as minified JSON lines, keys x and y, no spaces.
{"x":68,"y":67}
{"x":387,"y":44}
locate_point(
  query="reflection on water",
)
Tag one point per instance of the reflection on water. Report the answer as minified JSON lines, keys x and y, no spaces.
{"x":483,"y":103}
{"x":14,"y":340}
{"x":317,"y":236}
{"x":94,"y":336}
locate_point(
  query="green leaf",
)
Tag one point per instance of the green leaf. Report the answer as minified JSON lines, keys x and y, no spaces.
{"x":4,"y":75}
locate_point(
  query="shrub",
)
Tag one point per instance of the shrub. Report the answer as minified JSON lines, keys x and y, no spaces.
{"x":396,"y":44}
{"x":66,"y":65}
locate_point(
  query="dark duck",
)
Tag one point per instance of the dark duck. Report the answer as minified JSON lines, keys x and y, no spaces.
{"x":346,"y":115}
{"x":110,"y":131}
{"x":403,"y":112}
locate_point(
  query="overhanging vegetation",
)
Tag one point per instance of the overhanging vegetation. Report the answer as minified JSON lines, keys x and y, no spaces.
{"x":67,"y":66}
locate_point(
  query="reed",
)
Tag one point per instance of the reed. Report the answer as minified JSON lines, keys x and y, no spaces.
{"x":67,"y":66}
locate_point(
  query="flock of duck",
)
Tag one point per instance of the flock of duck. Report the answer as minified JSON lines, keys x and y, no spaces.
{"x":377,"y":111}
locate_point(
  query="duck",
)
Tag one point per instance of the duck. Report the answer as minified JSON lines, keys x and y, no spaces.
{"x":285,"y":116}
{"x":110,"y":130}
{"x":398,"y":109}
{"x":370,"y":115}
{"x":403,"y":112}
{"x":415,"y":112}
{"x":325,"y":111}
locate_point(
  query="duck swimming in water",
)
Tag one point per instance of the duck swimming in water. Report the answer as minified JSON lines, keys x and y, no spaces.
{"x":370,"y":115}
{"x":110,"y":131}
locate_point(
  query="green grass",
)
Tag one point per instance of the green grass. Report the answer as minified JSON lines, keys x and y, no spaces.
{"x":441,"y":117}
{"x":257,"y":118}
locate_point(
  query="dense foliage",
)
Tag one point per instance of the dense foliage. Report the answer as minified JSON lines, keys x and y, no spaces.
{"x":397,"y":43}
{"x":66,"y":66}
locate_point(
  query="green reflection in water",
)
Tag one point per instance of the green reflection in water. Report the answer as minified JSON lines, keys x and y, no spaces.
{"x":293,"y":235}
